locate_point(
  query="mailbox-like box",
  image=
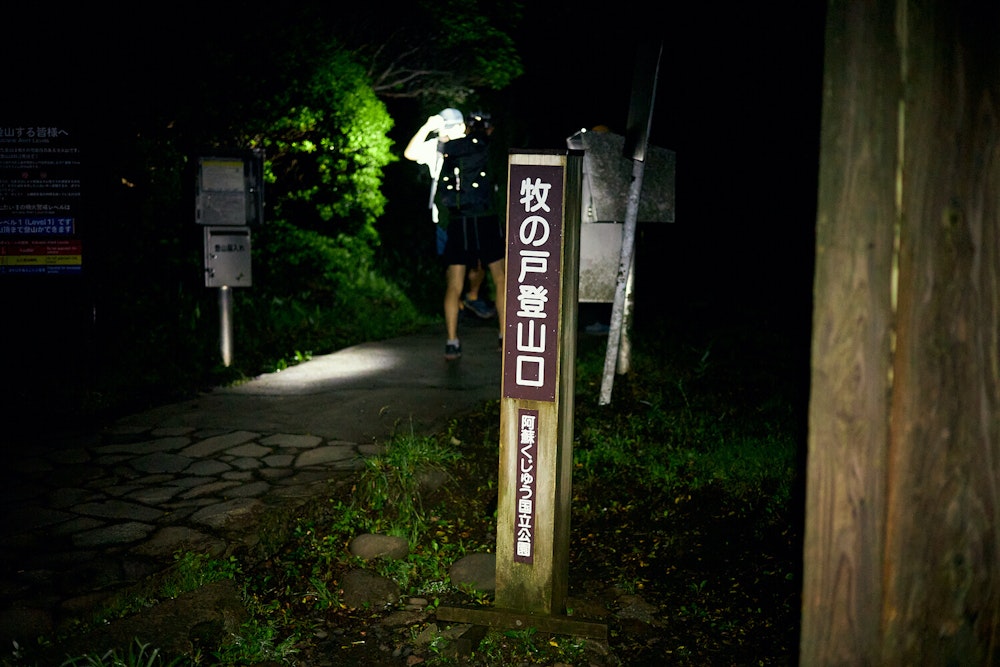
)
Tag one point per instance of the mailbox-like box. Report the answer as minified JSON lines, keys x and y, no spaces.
{"x":227,"y":257}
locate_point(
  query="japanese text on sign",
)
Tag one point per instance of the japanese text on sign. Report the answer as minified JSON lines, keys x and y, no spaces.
{"x":40,"y":200}
{"x":533,"y":281}
{"x":8,"y":132}
{"x":527,"y":464}
{"x":50,"y":226}
{"x":231,"y":246}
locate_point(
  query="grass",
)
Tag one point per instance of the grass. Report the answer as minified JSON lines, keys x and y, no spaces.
{"x":137,"y":655}
{"x":694,"y":434}
{"x":390,"y":485}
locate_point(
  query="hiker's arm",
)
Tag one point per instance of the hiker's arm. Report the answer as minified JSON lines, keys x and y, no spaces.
{"x":412,"y":150}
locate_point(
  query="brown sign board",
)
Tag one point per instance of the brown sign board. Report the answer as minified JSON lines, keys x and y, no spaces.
{"x":533,"y":274}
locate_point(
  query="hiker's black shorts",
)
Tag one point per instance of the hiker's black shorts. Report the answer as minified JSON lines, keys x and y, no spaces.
{"x":473,"y":239}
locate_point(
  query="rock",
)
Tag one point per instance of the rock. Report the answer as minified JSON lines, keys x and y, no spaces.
{"x":24,"y":623}
{"x":404,"y":618}
{"x":430,"y":480}
{"x":634,"y":607}
{"x":476,"y":570}
{"x":197,"y":620}
{"x":361,"y":588}
{"x":370,"y":546}
{"x":585,"y":608}
{"x":171,"y":539}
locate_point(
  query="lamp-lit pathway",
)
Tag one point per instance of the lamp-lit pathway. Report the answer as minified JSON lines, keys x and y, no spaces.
{"x":85,"y":516}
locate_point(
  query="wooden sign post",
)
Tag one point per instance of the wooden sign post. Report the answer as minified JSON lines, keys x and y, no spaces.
{"x":536,"y":409}
{"x":536,"y":412}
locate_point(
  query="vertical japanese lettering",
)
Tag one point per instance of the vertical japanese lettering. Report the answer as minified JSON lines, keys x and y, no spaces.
{"x":533,"y":281}
{"x":527,"y":449}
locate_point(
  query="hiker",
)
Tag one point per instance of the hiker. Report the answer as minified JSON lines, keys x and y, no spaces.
{"x":457,"y":155}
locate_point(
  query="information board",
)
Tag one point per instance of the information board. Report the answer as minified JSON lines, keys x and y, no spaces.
{"x":40,"y":201}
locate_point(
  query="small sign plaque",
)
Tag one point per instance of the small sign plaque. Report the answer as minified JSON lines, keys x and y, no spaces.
{"x":527,"y":462}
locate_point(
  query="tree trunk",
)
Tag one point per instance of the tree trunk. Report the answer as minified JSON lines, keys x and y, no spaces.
{"x":902,"y":550}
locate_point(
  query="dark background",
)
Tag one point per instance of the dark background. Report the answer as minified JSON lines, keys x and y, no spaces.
{"x":738,"y":100}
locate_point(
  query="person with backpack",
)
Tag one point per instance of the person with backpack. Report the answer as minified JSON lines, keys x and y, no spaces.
{"x":462,"y":198}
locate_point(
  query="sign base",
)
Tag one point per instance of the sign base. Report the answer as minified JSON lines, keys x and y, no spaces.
{"x":517,"y":620}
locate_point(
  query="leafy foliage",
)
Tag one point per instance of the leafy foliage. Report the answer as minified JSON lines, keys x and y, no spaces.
{"x":326,"y":151}
{"x":138,"y":655}
{"x":316,"y":293}
{"x":315,"y":286}
{"x":437,"y":51}
{"x":306,"y":86}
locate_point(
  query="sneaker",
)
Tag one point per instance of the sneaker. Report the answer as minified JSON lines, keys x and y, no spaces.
{"x":481,"y":308}
{"x":452,"y":352}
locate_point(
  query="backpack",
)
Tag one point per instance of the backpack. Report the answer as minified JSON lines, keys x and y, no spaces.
{"x":464,"y":184}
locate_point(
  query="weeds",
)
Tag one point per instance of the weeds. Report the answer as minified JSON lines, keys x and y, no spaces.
{"x":138,"y":655}
{"x":504,"y":646}
{"x":193,"y":570}
{"x":321,"y":595}
{"x":257,"y":642}
{"x":390,"y":485}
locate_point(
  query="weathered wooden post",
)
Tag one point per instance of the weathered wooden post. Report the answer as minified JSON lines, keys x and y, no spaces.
{"x":536,"y":427}
{"x":901,"y":554}
{"x":536,"y":416}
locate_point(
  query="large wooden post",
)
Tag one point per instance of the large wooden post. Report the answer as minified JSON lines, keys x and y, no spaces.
{"x":902,"y":544}
{"x":536,"y":411}
{"x":942,"y":554}
{"x":849,"y":408}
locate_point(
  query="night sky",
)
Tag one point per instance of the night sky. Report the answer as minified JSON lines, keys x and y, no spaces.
{"x":738,"y":100}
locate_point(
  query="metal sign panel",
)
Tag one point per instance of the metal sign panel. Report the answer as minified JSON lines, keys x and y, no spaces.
{"x":600,"y":252}
{"x":229,"y":190}
{"x":607,"y":176}
{"x":221,"y":197}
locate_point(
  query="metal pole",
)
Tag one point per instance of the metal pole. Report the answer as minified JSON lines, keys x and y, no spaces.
{"x":624,"y":269}
{"x":639,"y":122}
{"x":625,"y":348}
{"x":226,"y":324}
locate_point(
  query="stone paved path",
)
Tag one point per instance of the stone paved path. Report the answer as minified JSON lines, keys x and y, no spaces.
{"x":89,"y":514}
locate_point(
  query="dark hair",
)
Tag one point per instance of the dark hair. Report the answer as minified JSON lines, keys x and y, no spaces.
{"x":478,"y":121}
